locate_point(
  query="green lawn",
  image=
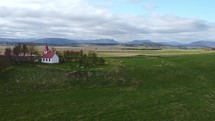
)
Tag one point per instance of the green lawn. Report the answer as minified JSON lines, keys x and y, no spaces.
{"x":137,"y":88}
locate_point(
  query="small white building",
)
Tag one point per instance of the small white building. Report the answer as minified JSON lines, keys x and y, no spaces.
{"x":49,"y":57}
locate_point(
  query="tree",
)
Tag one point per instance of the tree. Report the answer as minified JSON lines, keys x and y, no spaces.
{"x":8,"y":53}
{"x":67,"y":55}
{"x":24,"y":51}
{"x":83,"y":59}
{"x":92,"y":57}
{"x":16,"y":51}
{"x":33,"y":52}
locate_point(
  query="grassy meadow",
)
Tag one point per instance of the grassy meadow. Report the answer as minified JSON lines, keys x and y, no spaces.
{"x":134,"y":85}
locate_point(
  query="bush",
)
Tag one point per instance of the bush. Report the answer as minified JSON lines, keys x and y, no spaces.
{"x":83,"y":59}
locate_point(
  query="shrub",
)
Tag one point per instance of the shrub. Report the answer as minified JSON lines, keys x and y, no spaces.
{"x":87,"y":60}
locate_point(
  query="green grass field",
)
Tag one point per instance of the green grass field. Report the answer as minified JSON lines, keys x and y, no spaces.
{"x":178,"y":87}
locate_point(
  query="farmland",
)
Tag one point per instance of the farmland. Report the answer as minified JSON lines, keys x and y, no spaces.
{"x":167,"y":84}
{"x":122,"y":51}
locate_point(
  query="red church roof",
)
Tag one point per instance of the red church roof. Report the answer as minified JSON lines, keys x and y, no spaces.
{"x":48,"y":55}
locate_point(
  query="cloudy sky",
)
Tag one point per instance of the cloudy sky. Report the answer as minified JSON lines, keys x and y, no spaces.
{"x":122,"y":20}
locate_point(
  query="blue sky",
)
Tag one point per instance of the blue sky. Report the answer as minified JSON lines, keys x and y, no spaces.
{"x":199,"y":9}
{"x":122,"y":20}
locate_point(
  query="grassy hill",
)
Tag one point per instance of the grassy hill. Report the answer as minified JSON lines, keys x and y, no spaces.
{"x":130,"y":88}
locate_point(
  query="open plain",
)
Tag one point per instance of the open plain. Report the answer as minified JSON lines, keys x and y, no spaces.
{"x":134,"y":84}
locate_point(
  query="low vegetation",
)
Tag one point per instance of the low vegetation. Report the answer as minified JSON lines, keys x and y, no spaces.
{"x":131,"y":88}
{"x":21,"y":53}
{"x":90,"y":59}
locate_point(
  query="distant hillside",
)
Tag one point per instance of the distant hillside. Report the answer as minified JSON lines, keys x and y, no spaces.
{"x":55,"y":41}
{"x":195,"y":44}
{"x":60,"y":41}
{"x":98,"y":41}
{"x":171,"y":43}
{"x":203,"y":44}
{"x":140,"y":42}
{"x":143,"y":42}
{"x":65,"y":41}
{"x":14,"y":40}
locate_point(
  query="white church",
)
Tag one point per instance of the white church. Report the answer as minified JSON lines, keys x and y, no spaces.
{"x":49,"y":57}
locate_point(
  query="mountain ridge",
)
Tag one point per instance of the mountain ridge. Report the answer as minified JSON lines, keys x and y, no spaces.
{"x":145,"y":42}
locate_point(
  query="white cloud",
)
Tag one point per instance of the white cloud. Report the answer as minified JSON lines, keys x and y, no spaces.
{"x":78,"y":19}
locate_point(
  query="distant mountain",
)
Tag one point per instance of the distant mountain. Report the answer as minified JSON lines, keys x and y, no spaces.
{"x":143,"y":42}
{"x":98,"y":41}
{"x":13,"y":40}
{"x":64,"y":41}
{"x":60,"y":41}
{"x":171,"y":43}
{"x":55,"y":41}
{"x":138,"y":42}
{"x":202,"y":43}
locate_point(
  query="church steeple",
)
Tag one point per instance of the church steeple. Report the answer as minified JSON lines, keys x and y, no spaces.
{"x":46,"y":50}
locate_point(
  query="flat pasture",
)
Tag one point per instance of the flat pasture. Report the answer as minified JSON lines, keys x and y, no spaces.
{"x":163,"y":52}
{"x":121,"y":51}
{"x":164,"y":85}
